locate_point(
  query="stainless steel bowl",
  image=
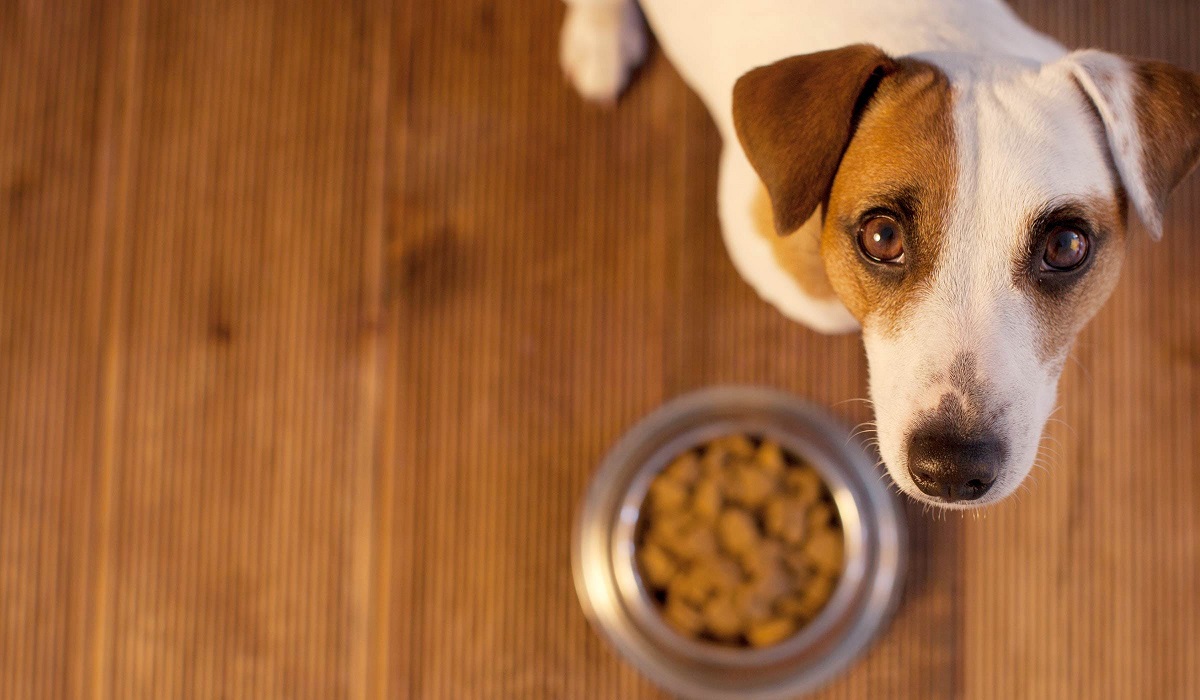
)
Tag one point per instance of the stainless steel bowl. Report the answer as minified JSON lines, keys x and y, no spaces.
{"x":614,"y":599}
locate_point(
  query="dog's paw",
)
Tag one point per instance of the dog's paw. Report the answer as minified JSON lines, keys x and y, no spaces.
{"x":601,"y":46}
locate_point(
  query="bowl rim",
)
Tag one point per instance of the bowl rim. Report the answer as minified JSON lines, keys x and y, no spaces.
{"x":617,"y":605}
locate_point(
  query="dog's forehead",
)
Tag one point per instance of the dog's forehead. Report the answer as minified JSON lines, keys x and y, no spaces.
{"x":1029,"y":141}
{"x":1026,"y":138}
{"x":979,"y":155}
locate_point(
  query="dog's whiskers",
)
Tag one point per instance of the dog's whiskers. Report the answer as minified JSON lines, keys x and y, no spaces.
{"x":868,"y":402}
{"x":1050,"y":451}
{"x":1086,"y":374}
{"x":1051,"y":419}
{"x":1066,"y":425}
{"x":1051,"y":438}
{"x":865,"y":428}
{"x":1050,"y":442}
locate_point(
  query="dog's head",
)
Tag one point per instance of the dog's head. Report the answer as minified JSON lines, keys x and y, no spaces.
{"x":974,"y":219}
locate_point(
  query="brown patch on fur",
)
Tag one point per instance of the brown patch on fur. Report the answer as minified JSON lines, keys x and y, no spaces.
{"x":1064,"y":302}
{"x":798,"y":253}
{"x":1167,"y":100}
{"x":795,"y":117}
{"x":902,"y":159}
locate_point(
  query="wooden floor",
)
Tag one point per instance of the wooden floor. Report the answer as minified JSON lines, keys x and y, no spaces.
{"x":316,"y":316}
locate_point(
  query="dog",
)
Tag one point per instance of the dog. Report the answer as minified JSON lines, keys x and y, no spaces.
{"x":935,"y":173}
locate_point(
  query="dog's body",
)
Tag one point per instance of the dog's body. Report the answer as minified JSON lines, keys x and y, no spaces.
{"x":714,"y":42}
{"x":985,"y":143}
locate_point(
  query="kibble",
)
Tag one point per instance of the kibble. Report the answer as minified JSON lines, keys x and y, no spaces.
{"x":737,"y":531}
{"x":657,"y":566}
{"x":786,"y":518}
{"x":804,"y":484}
{"x":826,"y":551}
{"x":815,"y":595}
{"x":740,"y":542}
{"x":768,"y":632}
{"x":707,"y":499}
{"x":683,"y":617}
{"x":667,"y":496}
{"x":750,"y":486}
{"x":696,"y":543}
{"x":684,"y":470}
{"x":722,"y":618}
{"x":770,"y":459}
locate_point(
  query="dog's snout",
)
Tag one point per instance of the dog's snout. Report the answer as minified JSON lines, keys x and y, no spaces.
{"x":953,"y":467}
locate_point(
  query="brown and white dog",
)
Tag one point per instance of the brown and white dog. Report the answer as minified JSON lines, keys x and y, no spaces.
{"x":932,"y":171}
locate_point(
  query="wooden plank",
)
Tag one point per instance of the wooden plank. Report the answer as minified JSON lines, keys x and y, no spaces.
{"x":241,"y":520}
{"x":529,"y":280}
{"x":54,"y":136}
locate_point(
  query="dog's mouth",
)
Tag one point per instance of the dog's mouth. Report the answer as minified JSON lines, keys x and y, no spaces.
{"x":971,"y":445}
{"x":964,"y":431}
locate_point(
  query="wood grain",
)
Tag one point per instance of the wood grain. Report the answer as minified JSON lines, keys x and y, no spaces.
{"x":315,"y":318}
{"x":237,"y":523}
{"x":52,"y":258}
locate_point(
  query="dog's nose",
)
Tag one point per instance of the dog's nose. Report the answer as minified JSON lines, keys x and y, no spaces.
{"x":952,"y":467}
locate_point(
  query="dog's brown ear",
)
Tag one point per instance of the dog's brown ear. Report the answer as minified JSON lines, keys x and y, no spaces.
{"x":1151,"y":114}
{"x":795,"y":118}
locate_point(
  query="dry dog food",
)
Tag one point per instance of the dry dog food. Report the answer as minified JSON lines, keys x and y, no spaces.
{"x":739,"y":542}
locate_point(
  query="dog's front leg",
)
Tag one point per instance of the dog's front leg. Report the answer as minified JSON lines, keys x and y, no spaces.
{"x":603,"y":41}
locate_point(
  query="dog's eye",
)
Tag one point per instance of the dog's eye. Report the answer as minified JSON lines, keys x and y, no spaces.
{"x":881,"y":240}
{"x":1066,"y":249}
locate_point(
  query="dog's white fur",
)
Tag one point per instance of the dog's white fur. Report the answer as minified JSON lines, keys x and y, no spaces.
{"x":1025,"y":138}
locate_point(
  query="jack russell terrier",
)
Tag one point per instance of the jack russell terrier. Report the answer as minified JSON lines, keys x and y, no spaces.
{"x":935,"y":172}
